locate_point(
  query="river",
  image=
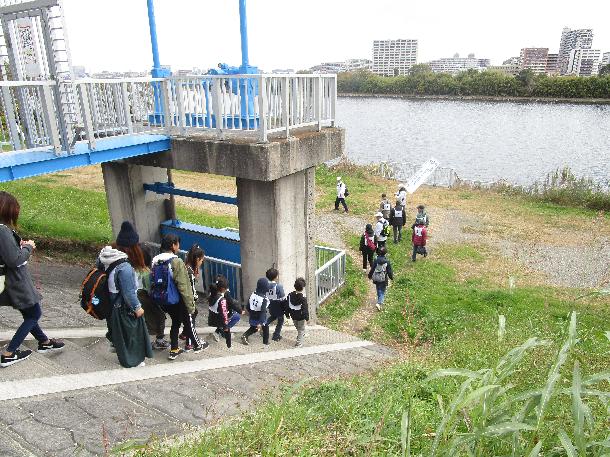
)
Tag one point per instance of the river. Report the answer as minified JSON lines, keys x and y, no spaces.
{"x":485,"y":141}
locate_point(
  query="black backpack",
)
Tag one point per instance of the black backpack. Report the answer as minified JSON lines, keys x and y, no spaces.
{"x":94,"y":293}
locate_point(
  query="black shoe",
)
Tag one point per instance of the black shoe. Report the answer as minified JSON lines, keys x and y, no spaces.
{"x":52,"y":345}
{"x":201,"y":347}
{"x":17,"y":356}
{"x":276,"y":337}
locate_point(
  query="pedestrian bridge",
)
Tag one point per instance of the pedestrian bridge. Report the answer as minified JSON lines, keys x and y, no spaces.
{"x":49,"y":126}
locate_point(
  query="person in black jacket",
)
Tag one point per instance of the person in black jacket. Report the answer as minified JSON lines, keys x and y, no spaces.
{"x":296,"y":308}
{"x":397,"y":221}
{"x":380,"y":272}
{"x":19,"y":291}
{"x":368,"y":246}
{"x":224,"y":313}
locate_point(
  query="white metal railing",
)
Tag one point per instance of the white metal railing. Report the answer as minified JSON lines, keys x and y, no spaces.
{"x":330,"y":274}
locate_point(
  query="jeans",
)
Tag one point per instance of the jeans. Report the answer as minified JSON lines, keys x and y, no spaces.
{"x":233,"y":320}
{"x":380,"y":292}
{"x":278,"y":326}
{"x":31,"y":316}
{"x":397,"y":231}
{"x":342,"y":201}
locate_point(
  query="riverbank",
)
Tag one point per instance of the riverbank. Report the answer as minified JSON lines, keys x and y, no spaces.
{"x":482,"y":98}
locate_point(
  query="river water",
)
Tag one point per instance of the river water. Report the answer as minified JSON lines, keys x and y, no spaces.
{"x":484,"y":141}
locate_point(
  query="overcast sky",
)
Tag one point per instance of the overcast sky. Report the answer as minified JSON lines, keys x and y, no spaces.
{"x":301,"y":33}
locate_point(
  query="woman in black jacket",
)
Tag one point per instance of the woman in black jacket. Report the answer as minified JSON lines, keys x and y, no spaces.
{"x":19,"y":291}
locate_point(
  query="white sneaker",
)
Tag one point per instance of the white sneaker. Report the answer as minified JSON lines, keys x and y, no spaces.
{"x":142,"y":364}
{"x":299,"y":344}
{"x":378,"y":305}
{"x":216,"y":336}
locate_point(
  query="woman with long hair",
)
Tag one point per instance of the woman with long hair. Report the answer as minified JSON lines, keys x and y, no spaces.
{"x":19,"y":291}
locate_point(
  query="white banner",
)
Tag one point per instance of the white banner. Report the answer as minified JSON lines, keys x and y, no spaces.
{"x":421,"y":175}
{"x":27,"y":45}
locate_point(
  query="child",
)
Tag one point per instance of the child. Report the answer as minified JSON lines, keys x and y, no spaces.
{"x":397,"y":220}
{"x":385,"y":206}
{"x":418,"y":237}
{"x":421,"y":213}
{"x":276,"y":309}
{"x":194,"y":260}
{"x":367,"y":246}
{"x":221,"y":315}
{"x":257,"y":308}
{"x":380,"y":272}
{"x":235,"y":309}
{"x":296,"y":308}
{"x":163,"y":292}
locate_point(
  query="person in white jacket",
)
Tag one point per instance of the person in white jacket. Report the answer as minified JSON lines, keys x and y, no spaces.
{"x":341,"y":194}
{"x":402,"y":196}
{"x":380,"y":230}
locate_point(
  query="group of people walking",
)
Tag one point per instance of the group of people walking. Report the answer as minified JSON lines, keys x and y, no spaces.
{"x":143,"y":290}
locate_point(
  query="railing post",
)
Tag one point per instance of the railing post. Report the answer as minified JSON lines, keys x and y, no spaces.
{"x":333,"y":101}
{"x":83,"y":95}
{"x":165,"y":102}
{"x":286,"y":104}
{"x":180,"y":102}
{"x":262,"y":104}
{"x":318,"y":102}
{"x":216,"y":105}
{"x":48,"y":109}
{"x":126,"y":108}
{"x":11,"y":120}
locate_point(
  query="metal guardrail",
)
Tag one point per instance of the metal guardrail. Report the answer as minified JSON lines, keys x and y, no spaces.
{"x":236,"y":105}
{"x":330,"y":274}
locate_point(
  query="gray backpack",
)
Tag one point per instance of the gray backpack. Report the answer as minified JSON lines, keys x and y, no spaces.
{"x":379,"y":275}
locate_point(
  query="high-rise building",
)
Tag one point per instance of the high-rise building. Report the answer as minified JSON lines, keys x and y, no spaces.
{"x":551,"y":64}
{"x":457,"y":64}
{"x":392,"y":57}
{"x":605,"y":58}
{"x":534,"y":59}
{"x":583,"y":62}
{"x":570,"y":40}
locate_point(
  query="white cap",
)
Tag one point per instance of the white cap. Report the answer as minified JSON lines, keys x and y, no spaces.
{"x":379,"y":214}
{"x":338,"y":178}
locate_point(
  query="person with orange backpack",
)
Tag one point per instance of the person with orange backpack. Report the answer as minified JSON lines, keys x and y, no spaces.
{"x":368,"y":246}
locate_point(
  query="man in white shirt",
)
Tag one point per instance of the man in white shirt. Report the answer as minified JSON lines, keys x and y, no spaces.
{"x":341,"y":194}
{"x":380,"y":230}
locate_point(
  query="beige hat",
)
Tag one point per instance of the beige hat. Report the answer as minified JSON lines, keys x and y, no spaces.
{"x":379,"y":214}
{"x":338,"y":178}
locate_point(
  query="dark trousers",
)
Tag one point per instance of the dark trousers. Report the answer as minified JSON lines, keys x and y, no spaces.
{"x":397,"y":229}
{"x":367,"y":256}
{"x":342,"y":201}
{"x":233,"y":320}
{"x":153,"y":314}
{"x":380,"y":244}
{"x":180,"y":316}
{"x":279,"y":325}
{"x":421,"y":250}
{"x":31,"y":316}
{"x":252,"y":330}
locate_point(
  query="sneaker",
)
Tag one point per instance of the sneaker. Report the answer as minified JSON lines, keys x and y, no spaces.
{"x":111,"y":347}
{"x":276,"y":337}
{"x":17,"y":356}
{"x":188,"y":348}
{"x":378,"y":305}
{"x":142,"y":364}
{"x":160,"y":345}
{"x":174,"y":353}
{"x":299,"y":344}
{"x":182,"y":336}
{"x":216,"y":336}
{"x":201,"y":347}
{"x":52,"y":345}
{"x":244,"y":340}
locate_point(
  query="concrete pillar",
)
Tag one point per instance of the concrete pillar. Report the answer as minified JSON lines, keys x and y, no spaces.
{"x":275,"y":228}
{"x":127,"y":200}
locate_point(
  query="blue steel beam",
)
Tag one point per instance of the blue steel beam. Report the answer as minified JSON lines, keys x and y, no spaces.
{"x":243,"y":30}
{"x":23,"y":164}
{"x":167,"y":188}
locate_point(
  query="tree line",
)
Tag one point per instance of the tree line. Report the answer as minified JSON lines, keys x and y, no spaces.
{"x":422,"y":81}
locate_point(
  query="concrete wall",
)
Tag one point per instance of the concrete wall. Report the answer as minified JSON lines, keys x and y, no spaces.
{"x":127,"y":200}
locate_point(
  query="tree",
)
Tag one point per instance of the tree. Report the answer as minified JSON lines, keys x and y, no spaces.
{"x":605,"y":70}
{"x":526,"y":78}
{"x":420,"y":69}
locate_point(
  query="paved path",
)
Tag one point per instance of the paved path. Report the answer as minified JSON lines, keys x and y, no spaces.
{"x":81,"y":402}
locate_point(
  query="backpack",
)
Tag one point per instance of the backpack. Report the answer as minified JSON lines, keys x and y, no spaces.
{"x":385,"y":231}
{"x":163,"y":290}
{"x":379,"y":275}
{"x":94,"y":293}
{"x":346,"y":193}
{"x":370,"y":242}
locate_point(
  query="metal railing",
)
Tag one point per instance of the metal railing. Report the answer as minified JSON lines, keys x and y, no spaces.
{"x":237,"y":105}
{"x":330,"y":274}
{"x":232,"y":271}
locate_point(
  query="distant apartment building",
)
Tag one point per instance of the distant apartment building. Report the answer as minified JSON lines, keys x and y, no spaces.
{"x":551,"y":64}
{"x":509,"y":69}
{"x":583,"y":62}
{"x":605,"y":59}
{"x":340,"y":67}
{"x":392,"y":57}
{"x":534,"y":59}
{"x":570,"y":40}
{"x":457,"y":64}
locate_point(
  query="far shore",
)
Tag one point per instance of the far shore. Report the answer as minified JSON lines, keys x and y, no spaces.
{"x":483,"y":98}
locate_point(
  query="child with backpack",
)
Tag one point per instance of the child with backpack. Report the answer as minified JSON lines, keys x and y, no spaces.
{"x":235,"y":309}
{"x":221,"y":313}
{"x":296,"y":308}
{"x":385,"y":206}
{"x":382,"y":231}
{"x":276,"y":309}
{"x":380,"y":272}
{"x":153,"y":315}
{"x":194,"y":259}
{"x":257,"y":309}
{"x":419,"y":236}
{"x":171,"y":289}
{"x":397,"y":220}
{"x":421,"y":213}
{"x":367,"y":246}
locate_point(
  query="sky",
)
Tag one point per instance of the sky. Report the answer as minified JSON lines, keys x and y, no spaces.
{"x":298,"y":34}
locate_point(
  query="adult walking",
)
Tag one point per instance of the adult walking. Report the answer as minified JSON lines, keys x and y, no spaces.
{"x":380,"y":272}
{"x":397,"y":220}
{"x":368,"y":246}
{"x":341,"y":194}
{"x":17,"y":286}
{"x":381,"y":230}
{"x":127,"y":331}
{"x":401,"y":195}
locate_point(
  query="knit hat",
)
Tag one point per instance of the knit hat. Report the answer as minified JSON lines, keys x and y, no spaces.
{"x":369,"y":229}
{"x":127,"y":235}
{"x":262,"y":287}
